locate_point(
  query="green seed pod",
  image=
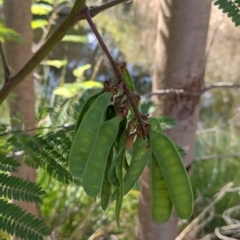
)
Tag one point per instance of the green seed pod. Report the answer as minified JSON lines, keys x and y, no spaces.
{"x":86,"y":135}
{"x":174,"y":173}
{"x":86,"y":107}
{"x":155,"y":124}
{"x":161,"y":202}
{"x":106,"y":187}
{"x":120,"y":190}
{"x":139,"y":160}
{"x":93,"y":177}
{"x":112,"y":175}
{"x":128,"y":79}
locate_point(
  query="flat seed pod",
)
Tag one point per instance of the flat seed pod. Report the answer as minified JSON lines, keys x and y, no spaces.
{"x":161,"y":201}
{"x":120,"y":190}
{"x":139,"y":160}
{"x":112,"y":175}
{"x":93,"y":177}
{"x":106,"y":187}
{"x":174,"y":173}
{"x":86,"y":135}
{"x":86,"y":107}
{"x":128,"y":79}
{"x":155,"y":124}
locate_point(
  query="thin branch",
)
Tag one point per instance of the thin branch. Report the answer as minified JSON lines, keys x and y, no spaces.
{"x":96,"y":10}
{"x":221,"y":126}
{"x":221,"y":85}
{"x":217,"y":156}
{"x":190,"y":92}
{"x":47,"y":29}
{"x":35,"y":129}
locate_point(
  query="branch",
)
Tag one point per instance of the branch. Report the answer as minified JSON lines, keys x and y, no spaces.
{"x":73,"y":17}
{"x":217,"y":156}
{"x":96,"y":10}
{"x":69,"y":127}
{"x":191,"y":92}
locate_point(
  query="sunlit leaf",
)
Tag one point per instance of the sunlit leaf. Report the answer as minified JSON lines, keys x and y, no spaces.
{"x":91,"y":84}
{"x":39,"y":23}
{"x":78,"y":72}
{"x":75,"y":38}
{"x":68,"y":90}
{"x":55,"y":63}
{"x":41,"y":9}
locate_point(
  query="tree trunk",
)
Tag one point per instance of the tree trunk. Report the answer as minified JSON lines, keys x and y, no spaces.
{"x":18,"y":17}
{"x":179,"y":63}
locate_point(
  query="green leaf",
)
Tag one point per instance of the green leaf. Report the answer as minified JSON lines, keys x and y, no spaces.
{"x":41,"y":9}
{"x":78,"y":72}
{"x":8,"y":164}
{"x":16,"y":188}
{"x":69,"y":90}
{"x":9,"y":34}
{"x":75,"y":38}
{"x":16,"y":221}
{"x":39,"y":23}
{"x":55,"y":63}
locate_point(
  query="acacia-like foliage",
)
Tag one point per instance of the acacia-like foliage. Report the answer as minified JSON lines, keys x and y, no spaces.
{"x":16,"y":221}
{"x":13,"y":219}
{"x":231,"y":7}
{"x":16,"y":188}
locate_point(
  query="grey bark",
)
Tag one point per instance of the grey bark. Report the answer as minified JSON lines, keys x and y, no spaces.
{"x":179,"y":63}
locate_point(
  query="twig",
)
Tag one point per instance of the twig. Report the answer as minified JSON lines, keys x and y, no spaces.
{"x":96,"y":10}
{"x":217,"y":156}
{"x":32,"y":129}
{"x":47,"y":29}
{"x":221,"y":126}
{"x":190,"y":92}
{"x":118,"y":73}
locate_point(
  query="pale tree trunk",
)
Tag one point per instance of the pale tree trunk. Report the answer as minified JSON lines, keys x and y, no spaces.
{"x":18,"y":17}
{"x":179,"y":63}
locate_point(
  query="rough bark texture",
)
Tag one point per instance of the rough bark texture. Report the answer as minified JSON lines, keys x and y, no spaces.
{"x":18,"y":17}
{"x":179,"y":63}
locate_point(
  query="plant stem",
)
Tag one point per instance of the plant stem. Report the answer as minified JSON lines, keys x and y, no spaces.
{"x":86,"y":14}
{"x":96,"y":10}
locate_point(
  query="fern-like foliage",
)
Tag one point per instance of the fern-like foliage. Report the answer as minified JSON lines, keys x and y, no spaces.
{"x":231,"y":7}
{"x":48,"y":151}
{"x":16,"y":221}
{"x":16,"y":188}
{"x":8,"y":164}
{"x":13,"y":219}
